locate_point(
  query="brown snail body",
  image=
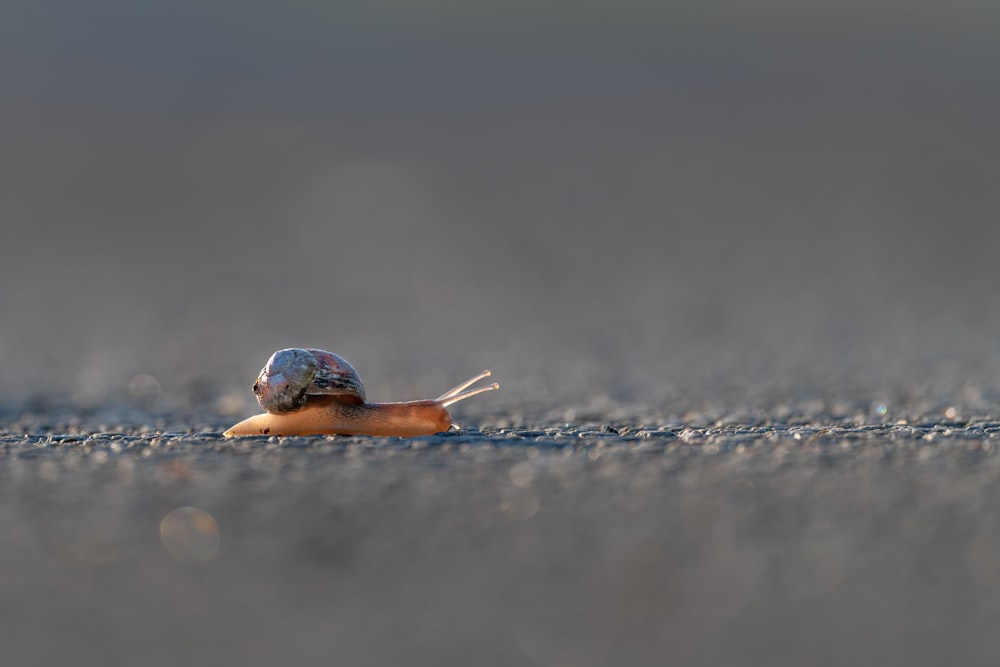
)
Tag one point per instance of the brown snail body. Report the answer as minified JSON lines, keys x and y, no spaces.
{"x":310,"y":391}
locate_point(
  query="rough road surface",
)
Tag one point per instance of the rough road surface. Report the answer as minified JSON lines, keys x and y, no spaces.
{"x":781,"y":543}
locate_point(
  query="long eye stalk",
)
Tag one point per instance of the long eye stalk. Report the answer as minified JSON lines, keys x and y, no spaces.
{"x":456,"y":394}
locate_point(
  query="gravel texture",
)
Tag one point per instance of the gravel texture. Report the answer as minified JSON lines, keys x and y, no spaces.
{"x":783,"y":543}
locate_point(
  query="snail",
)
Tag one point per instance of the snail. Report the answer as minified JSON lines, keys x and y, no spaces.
{"x":310,"y":391}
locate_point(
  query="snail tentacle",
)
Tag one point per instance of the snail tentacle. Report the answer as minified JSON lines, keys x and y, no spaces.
{"x":468,"y":383}
{"x":461,"y":396}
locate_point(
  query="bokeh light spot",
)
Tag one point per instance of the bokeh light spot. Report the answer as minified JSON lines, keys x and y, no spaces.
{"x":190,"y":535}
{"x":144,"y":389}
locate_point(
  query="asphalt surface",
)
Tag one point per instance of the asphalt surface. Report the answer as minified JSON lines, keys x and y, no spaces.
{"x":733,"y":265}
{"x":803,"y":541}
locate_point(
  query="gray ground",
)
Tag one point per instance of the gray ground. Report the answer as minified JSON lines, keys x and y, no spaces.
{"x":734,"y":266}
{"x":732,"y":544}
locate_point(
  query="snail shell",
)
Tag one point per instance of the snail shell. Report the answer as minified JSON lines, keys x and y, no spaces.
{"x":291,"y":375}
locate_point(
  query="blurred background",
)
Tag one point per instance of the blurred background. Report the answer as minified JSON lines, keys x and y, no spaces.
{"x":776,"y":219}
{"x":609,"y":204}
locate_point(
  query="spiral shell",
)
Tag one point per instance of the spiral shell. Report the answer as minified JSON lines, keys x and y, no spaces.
{"x":293,"y":374}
